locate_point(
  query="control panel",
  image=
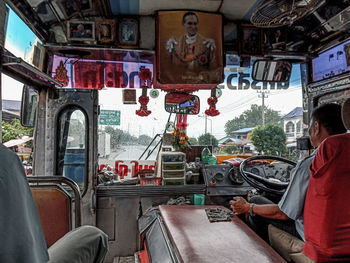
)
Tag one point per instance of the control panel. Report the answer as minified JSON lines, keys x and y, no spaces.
{"x":224,"y":179}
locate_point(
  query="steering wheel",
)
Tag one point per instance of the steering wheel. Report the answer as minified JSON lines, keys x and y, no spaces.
{"x":269,"y":185}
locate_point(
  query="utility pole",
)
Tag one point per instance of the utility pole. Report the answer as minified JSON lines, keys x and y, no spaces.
{"x":263,"y":95}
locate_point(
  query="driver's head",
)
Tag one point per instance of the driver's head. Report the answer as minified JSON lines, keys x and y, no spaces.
{"x":325,"y":121}
{"x":190,"y":22}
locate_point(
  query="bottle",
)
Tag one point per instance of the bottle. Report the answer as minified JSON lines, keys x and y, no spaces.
{"x":205,"y":155}
{"x":212,"y":160}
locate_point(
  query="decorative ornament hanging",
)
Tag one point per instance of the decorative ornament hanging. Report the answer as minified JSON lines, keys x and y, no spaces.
{"x":61,"y":74}
{"x":212,"y":111}
{"x":180,"y":137}
{"x":146,"y":82}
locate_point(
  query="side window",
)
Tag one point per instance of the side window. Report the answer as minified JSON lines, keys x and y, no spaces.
{"x":72,"y":142}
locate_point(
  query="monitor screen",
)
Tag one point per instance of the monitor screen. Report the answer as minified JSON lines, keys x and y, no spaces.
{"x":332,"y":62}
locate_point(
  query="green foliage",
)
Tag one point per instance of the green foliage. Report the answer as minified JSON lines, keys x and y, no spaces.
{"x":207,"y":139}
{"x":144,"y":139}
{"x":230,"y":149}
{"x":119,"y":137}
{"x":252,"y":118}
{"x":14,"y":130}
{"x":269,"y":139}
{"x":193,"y":141}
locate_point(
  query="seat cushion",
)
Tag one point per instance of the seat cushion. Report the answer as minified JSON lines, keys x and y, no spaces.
{"x":284,"y":243}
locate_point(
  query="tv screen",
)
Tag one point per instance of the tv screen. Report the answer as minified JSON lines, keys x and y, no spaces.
{"x":331,"y":62}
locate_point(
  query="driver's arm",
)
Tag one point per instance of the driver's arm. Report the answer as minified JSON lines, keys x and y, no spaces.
{"x":241,"y":206}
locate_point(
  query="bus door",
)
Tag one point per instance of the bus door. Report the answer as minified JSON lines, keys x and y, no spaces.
{"x":66,"y":132}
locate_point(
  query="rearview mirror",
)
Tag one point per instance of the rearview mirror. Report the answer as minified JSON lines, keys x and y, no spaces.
{"x":29,"y":106}
{"x":272,"y":71}
{"x":184,"y":103}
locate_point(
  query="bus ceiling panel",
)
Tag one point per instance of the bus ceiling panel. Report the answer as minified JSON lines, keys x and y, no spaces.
{"x":233,"y":10}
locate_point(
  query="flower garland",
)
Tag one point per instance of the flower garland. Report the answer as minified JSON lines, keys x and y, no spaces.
{"x":179,"y":133}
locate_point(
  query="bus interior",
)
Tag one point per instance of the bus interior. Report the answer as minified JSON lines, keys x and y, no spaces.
{"x":113,"y":98}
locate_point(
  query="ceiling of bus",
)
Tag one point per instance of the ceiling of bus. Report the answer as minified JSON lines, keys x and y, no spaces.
{"x":50,"y":16}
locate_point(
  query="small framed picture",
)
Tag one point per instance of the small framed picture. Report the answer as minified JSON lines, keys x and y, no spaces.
{"x":275,"y":39}
{"x":73,"y":7}
{"x":250,"y":41}
{"x":128,"y":32}
{"x":106,"y":30}
{"x":81,"y":30}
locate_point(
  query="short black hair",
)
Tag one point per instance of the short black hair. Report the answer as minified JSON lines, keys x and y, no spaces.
{"x":189,"y":14}
{"x":329,"y":116}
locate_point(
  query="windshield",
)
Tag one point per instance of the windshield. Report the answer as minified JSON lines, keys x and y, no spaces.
{"x":126,"y":136}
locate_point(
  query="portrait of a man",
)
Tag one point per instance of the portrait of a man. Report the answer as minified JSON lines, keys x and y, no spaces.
{"x":106,"y":30}
{"x":190,"y":47}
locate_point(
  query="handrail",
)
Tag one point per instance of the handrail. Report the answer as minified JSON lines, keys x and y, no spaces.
{"x":70,"y":183}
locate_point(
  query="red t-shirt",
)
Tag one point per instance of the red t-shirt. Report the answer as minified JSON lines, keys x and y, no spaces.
{"x":327,"y":203}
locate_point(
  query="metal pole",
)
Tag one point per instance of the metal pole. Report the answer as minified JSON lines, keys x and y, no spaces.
{"x":263,"y":95}
{"x":205,"y":124}
{"x":263,"y":108}
{"x":3,"y":24}
{"x":211,"y":132}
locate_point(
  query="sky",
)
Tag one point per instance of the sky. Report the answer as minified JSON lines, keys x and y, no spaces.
{"x":231,"y":104}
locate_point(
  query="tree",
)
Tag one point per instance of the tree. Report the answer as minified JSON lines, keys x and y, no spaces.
{"x":193,"y":141}
{"x":119,"y":137}
{"x":252,"y":118}
{"x":269,"y":139}
{"x":231,"y":149}
{"x":144,"y":139}
{"x":15,"y":130}
{"x":207,"y":139}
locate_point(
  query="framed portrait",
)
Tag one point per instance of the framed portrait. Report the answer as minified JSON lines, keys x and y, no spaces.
{"x":128,"y":32}
{"x":80,"y":30}
{"x":73,"y":7}
{"x":275,"y":39}
{"x":250,"y":41}
{"x":106,"y":31}
{"x":189,"y":48}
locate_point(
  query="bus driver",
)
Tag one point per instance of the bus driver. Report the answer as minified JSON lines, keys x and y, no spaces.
{"x":287,"y":215}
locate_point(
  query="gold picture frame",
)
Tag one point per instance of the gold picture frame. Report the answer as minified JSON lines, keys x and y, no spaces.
{"x":81,"y":30}
{"x":106,"y":31}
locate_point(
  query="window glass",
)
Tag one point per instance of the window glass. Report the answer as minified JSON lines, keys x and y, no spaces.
{"x":290,"y":127}
{"x":72,"y":150}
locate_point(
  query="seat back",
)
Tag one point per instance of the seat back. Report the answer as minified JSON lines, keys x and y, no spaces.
{"x":55,"y":205}
{"x":327,"y":210}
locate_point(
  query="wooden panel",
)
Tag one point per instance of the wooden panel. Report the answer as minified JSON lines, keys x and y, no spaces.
{"x":198,"y":240}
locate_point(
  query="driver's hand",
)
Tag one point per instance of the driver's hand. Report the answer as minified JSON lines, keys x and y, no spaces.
{"x":239,"y":205}
{"x":170,"y":45}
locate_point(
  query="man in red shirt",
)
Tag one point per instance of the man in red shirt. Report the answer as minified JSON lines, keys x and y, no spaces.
{"x":327,"y":207}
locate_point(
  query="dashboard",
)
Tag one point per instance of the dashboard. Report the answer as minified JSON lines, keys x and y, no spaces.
{"x":226,"y":179}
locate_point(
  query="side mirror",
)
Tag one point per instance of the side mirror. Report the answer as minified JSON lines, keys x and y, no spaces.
{"x":184,"y":103}
{"x":30,"y":99}
{"x":272,"y":71}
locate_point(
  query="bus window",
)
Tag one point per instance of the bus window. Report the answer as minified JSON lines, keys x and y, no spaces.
{"x":72,"y":141}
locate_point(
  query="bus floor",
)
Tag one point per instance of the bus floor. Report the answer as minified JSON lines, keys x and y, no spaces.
{"x":128,"y":259}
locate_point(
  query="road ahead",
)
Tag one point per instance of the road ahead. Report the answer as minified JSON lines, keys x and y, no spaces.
{"x":128,"y":152}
